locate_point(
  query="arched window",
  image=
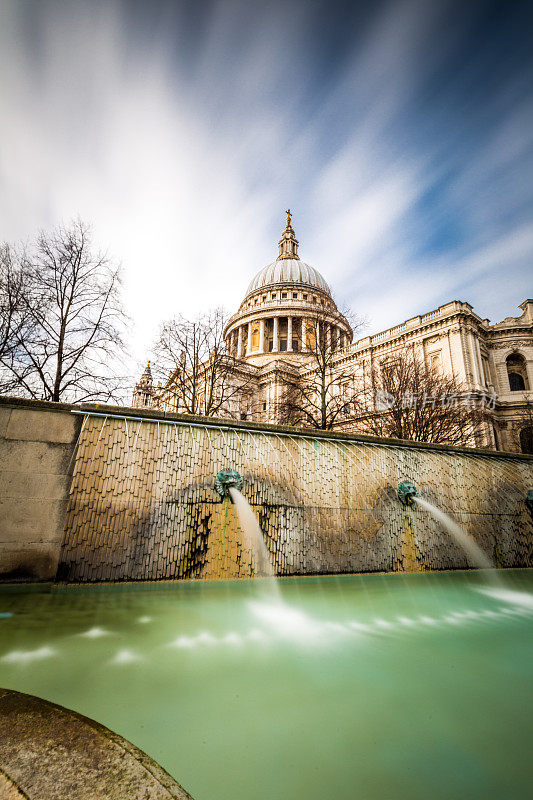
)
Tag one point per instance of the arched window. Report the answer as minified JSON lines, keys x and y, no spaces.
{"x":254,"y":339}
{"x":516,"y":372}
{"x":526,"y":439}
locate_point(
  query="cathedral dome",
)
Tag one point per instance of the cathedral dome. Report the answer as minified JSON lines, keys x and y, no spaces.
{"x":288,"y":270}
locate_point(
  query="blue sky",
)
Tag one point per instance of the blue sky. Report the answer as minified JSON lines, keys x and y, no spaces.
{"x":399,"y":133}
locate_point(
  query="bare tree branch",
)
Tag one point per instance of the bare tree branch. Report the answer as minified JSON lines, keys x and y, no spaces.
{"x":73,"y":321}
{"x":202,"y":375}
{"x":314,"y":395}
{"x":405,"y":398}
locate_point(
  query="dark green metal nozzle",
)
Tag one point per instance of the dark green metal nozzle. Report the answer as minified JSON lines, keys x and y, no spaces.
{"x":225,"y":479}
{"x":406,"y":491}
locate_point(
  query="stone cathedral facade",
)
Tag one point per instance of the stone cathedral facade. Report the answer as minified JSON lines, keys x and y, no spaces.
{"x":273,"y":331}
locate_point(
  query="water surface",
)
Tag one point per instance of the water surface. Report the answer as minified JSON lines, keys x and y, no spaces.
{"x":380,"y":686}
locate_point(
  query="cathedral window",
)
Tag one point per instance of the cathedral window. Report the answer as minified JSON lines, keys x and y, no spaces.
{"x":255,"y":336}
{"x":284,"y":295}
{"x":305,"y":297}
{"x":310,"y":336}
{"x":516,"y":382}
{"x":273,"y":295}
{"x":516,"y":372}
{"x":294,"y":296}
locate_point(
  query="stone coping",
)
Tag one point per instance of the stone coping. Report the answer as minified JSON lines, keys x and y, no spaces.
{"x":226,"y":422}
{"x":48,"y":752}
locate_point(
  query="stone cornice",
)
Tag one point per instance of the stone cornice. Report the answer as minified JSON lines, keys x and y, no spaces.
{"x":432,"y":322}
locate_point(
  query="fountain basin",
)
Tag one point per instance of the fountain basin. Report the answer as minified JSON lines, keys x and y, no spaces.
{"x":49,"y":751}
{"x":404,"y":686}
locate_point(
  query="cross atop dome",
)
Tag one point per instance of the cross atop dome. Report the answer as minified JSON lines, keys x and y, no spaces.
{"x":288,"y":244}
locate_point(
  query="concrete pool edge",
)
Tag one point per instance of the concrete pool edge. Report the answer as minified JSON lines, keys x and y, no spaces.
{"x":49,"y":750}
{"x":60,"y":587}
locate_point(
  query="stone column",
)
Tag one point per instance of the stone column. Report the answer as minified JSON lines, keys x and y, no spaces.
{"x":262,"y":336}
{"x":289,"y":334}
{"x":304,"y":333}
{"x":249,"y":339}
{"x":475,"y":365}
{"x":275,"y":335}
{"x":239,"y":341}
{"x":484,"y":379}
{"x":328,"y":336}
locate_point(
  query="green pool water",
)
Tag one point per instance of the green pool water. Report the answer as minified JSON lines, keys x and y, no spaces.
{"x":381,"y":686}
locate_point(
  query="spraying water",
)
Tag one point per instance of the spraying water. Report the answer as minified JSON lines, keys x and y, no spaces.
{"x":250,"y":527}
{"x":476,"y":555}
{"x":498,"y":590}
{"x":286,"y":621}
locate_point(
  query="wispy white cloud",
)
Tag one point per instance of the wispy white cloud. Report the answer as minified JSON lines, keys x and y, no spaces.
{"x":185,"y":164}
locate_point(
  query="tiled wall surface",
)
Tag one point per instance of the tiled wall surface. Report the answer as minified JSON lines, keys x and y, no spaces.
{"x":142,"y":504}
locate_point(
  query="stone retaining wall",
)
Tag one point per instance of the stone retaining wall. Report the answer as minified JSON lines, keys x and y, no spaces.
{"x":134,"y":500}
{"x":143,"y":504}
{"x":36,"y":446}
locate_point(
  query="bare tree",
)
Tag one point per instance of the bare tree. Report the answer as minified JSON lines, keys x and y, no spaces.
{"x":315,"y":394}
{"x":404,"y":398}
{"x":202,"y":376}
{"x":14,"y":317}
{"x":71,"y":335}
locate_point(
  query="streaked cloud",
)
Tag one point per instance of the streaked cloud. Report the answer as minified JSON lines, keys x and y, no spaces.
{"x":400,"y":133}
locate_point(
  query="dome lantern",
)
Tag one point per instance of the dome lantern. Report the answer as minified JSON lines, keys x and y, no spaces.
{"x":288,"y":244}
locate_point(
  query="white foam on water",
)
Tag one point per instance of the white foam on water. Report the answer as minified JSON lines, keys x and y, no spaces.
{"x":361,"y":627}
{"x":460,"y":615}
{"x":233,"y":639}
{"x":427,"y":620}
{"x":453,"y":620}
{"x":206,"y":638}
{"x":125,"y":657}
{"x":144,"y":620}
{"x":524,"y":599}
{"x":383,"y":624}
{"x":184,"y":642}
{"x":95,"y":633}
{"x":290,"y":623}
{"x":27,"y":656}
{"x":406,"y":621}
{"x":336,"y":627}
